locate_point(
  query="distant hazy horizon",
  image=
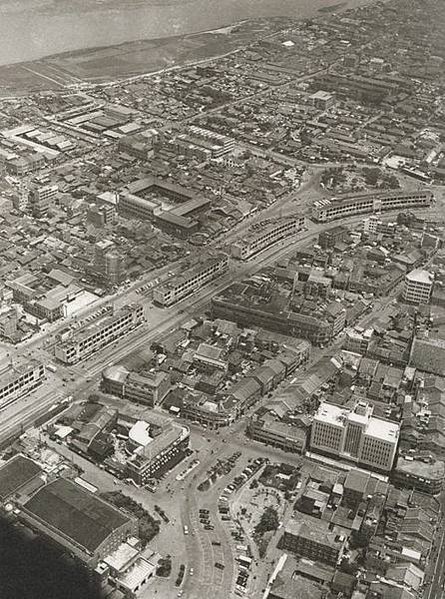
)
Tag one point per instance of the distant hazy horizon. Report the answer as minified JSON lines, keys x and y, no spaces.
{"x":32,"y":29}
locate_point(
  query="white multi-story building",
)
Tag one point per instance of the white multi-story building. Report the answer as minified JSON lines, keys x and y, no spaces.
{"x":266,"y":236}
{"x":191,"y":280}
{"x":75,"y":345}
{"x":16,"y":382}
{"x":350,"y":205}
{"x":355,"y":435}
{"x":41,"y":199}
{"x":418,"y":287}
{"x":217,"y":143}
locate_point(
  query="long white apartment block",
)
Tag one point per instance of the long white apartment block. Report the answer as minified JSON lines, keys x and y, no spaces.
{"x":18,"y":381}
{"x":350,"y":205}
{"x":263,"y":237}
{"x":191,"y":280}
{"x":74,"y":345}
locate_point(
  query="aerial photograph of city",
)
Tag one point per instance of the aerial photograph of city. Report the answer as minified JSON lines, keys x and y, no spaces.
{"x":222,"y":299}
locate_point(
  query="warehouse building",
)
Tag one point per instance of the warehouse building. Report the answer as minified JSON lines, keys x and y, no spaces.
{"x":77,"y":520}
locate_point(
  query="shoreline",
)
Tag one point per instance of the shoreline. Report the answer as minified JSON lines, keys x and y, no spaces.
{"x":126,"y":60}
{"x":306,"y":13}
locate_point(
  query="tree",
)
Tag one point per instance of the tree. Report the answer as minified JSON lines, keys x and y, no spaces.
{"x":269,"y":521}
{"x":164,"y":567}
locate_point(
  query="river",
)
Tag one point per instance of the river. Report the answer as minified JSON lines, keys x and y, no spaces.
{"x":31,"y":29}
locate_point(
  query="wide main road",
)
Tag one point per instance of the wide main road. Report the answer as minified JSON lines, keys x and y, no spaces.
{"x":86,"y":374}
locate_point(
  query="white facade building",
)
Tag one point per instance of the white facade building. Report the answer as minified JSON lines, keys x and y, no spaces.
{"x":367,"y":203}
{"x":355,"y":435}
{"x":191,"y":280}
{"x":78,"y":344}
{"x":267,"y":236}
{"x":418,"y":287}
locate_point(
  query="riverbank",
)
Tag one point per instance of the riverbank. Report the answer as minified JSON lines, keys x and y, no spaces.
{"x":121,"y":61}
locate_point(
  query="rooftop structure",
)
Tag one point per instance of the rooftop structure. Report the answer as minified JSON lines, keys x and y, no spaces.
{"x":428,"y":355}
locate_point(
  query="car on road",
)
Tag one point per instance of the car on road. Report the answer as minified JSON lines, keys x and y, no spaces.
{"x":191,"y":572}
{"x":219,"y":566}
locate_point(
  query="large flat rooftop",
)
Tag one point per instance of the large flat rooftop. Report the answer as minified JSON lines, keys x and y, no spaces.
{"x":74,"y":513}
{"x":15,"y":473}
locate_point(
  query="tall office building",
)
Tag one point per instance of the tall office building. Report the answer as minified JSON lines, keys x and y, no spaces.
{"x":41,"y":199}
{"x":20,"y":201}
{"x":108,"y":262}
{"x":418,"y":287}
{"x":355,"y":435}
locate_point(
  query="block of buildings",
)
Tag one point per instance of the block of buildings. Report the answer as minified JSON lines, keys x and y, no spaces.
{"x":73,"y":345}
{"x":41,"y":298}
{"x":312,"y":540}
{"x":16,"y":381}
{"x":147,"y":387}
{"x":171,"y":207}
{"x":263,"y":237}
{"x":154,"y":449}
{"x":355,"y":435}
{"x":267,"y":429}
{"x":191,"y":280}
{"x":266,"y":306}
{"x":426,"y":475}
{"x":126,"y":568}
{"x":322,"y":100}
{"x":289,"y":583}
{"x":330,"y":237}
{"x":351,"y":205}
{"x":204,"y":143}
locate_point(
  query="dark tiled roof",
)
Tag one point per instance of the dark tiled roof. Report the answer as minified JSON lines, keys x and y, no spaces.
{"x":15,"y":473}
{"x":75,"y":513}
